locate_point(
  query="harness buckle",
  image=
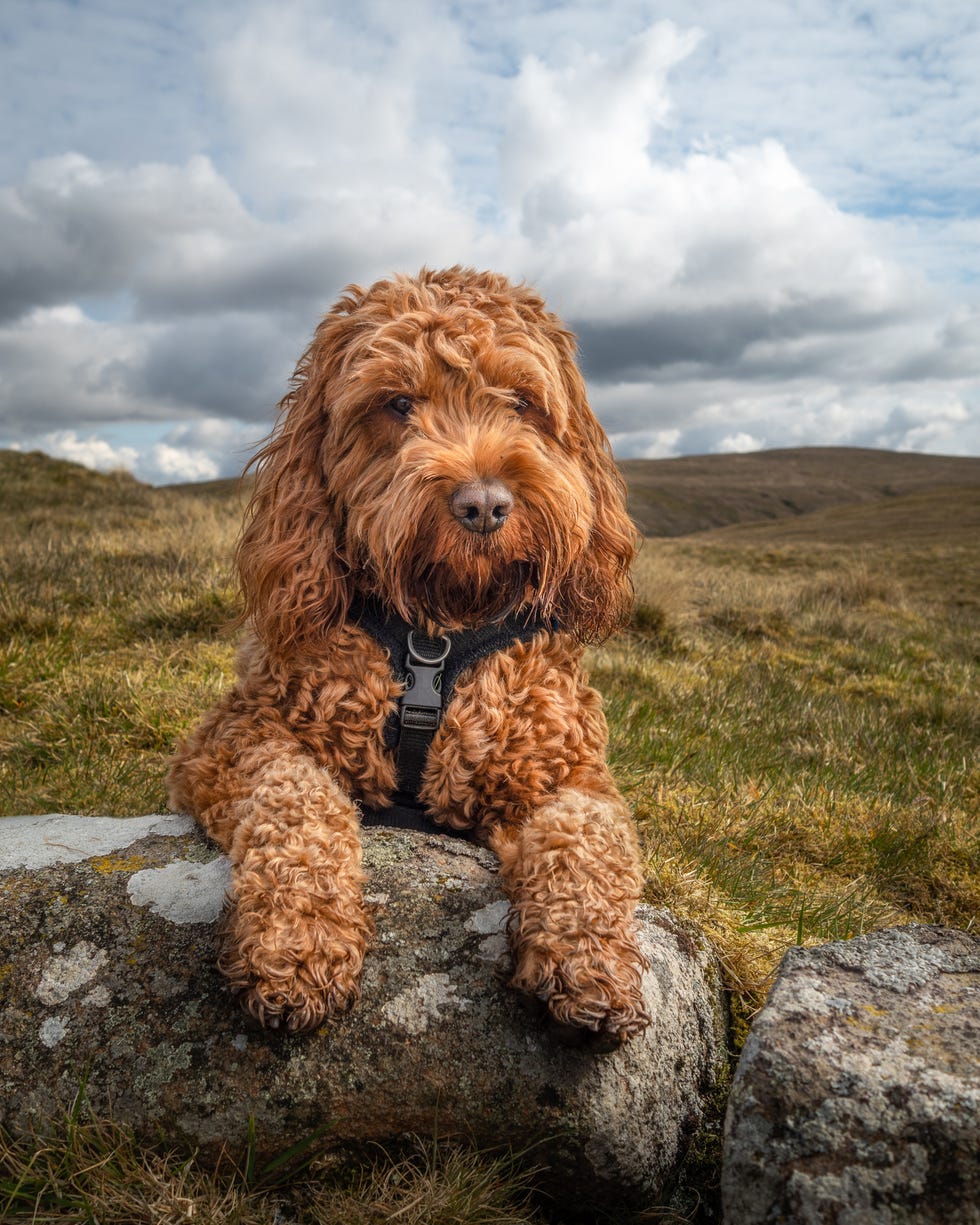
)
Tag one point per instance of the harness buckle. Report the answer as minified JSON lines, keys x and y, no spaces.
{"x":421,"y":703}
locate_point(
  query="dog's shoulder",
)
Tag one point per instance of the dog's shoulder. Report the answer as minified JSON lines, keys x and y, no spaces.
{"x":344,"y":661}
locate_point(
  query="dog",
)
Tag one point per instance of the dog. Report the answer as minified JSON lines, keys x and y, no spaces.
{"x":435,"y":465}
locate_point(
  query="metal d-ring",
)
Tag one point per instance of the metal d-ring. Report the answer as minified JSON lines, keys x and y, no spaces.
{"x":423,"y":659}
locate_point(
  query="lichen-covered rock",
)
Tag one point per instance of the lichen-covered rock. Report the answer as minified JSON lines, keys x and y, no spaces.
{"x":857,"y":1098}
{"x":107,"y":975}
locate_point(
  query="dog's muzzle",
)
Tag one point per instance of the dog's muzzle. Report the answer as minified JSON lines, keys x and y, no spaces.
{"x":482,"y":506}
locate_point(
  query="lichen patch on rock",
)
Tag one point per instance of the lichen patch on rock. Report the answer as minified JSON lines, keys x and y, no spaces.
{"x":413,"y":1010}
{"x":52,"y":1030}
{"x":63,"y":974}
{"x":489,"y":919}
{"x":184,"y":891}
{"x":40,"y":841}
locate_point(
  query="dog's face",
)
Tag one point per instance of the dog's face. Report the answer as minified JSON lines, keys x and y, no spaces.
{"x":437,"y":450}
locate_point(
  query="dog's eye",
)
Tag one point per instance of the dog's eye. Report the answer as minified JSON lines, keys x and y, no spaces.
{"x":400,"y":405}
{"x":522,"y":404}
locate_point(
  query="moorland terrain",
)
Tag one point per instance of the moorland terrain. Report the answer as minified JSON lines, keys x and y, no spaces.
{"x":794,"y":715}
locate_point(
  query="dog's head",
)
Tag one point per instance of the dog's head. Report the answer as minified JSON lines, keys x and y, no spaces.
{"x":437,"y":450}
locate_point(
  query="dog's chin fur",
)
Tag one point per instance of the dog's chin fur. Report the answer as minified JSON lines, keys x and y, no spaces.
{"x":439,"y":597}
{"x":447,"y":577}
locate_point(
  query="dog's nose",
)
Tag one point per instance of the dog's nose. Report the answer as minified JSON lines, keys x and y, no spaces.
{"x":482,"y":506}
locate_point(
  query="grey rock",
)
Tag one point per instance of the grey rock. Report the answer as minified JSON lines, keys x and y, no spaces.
{"x":857,"y":1097}
{"x":107,"y":975}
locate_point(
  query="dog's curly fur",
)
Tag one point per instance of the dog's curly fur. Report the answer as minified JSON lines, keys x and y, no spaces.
{"x":408,"y":391}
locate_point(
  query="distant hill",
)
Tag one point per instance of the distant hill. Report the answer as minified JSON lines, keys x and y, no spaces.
{"x":927,"y":541}
{"x":675,"y":497}
{"x":31,"y":480}
{"x":947,"y":515}
{"x":229,"y":487}
{"x":667,"y":497}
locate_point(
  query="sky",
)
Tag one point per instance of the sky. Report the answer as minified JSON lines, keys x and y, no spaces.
{"x":762,"y":219}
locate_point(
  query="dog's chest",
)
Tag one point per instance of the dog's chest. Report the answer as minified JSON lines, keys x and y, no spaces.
{"x":517,"y":725}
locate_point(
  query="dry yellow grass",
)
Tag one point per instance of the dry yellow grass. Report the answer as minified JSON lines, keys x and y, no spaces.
{"x":82,"y":1170}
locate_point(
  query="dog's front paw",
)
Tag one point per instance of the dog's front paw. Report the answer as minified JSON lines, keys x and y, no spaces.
{"x":592,"y":989}
{"x":290,"y":969}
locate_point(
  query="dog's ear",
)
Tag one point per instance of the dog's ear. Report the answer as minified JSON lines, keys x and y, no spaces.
{"x":597,"y":596}
{"x":293,"y":574}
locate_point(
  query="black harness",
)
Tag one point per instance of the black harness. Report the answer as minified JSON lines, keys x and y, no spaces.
{"x":429,"y":673}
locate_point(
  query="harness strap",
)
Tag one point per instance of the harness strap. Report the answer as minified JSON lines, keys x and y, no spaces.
{"x":421,"y":706}
{"x":403,"y":816}
{"x":429,"y":669}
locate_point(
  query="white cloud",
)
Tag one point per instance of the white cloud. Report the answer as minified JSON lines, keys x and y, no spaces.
{"x":202,"y":450}
{"x":59,"y":365}
{"x":738,"y":444}
{"x":92,"y":452}
{"x":623,"y":233}
{"x":876,"y":102}
{"x":647,"y":444}
{"x":702,"y":416}
{"x":172,"y":464}
{"x":578,"y":132}
{"x":73,"y":227}
{"x":328,"y":104}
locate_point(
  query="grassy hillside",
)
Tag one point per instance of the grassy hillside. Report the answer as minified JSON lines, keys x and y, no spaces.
{"x":673,"y":497}
{"x":32,"y":482}
{"x":795,"y":715}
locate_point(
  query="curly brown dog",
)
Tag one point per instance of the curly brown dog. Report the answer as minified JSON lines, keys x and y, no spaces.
{"x":436,"y":458}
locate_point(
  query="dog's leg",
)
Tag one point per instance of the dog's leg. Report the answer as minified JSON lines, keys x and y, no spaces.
{"x":296,"y":930}
{"x":572,"y":873}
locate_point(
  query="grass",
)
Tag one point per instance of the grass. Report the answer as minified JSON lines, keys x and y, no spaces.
{"x":800,"y":737}
{"x":83,"y":1170}
{"x":112,"y":635}
{"x":434,"y":1185}
{"x":794,"y":716}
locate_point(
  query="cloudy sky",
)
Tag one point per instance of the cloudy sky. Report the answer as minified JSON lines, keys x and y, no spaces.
{"x":761,"y":218}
